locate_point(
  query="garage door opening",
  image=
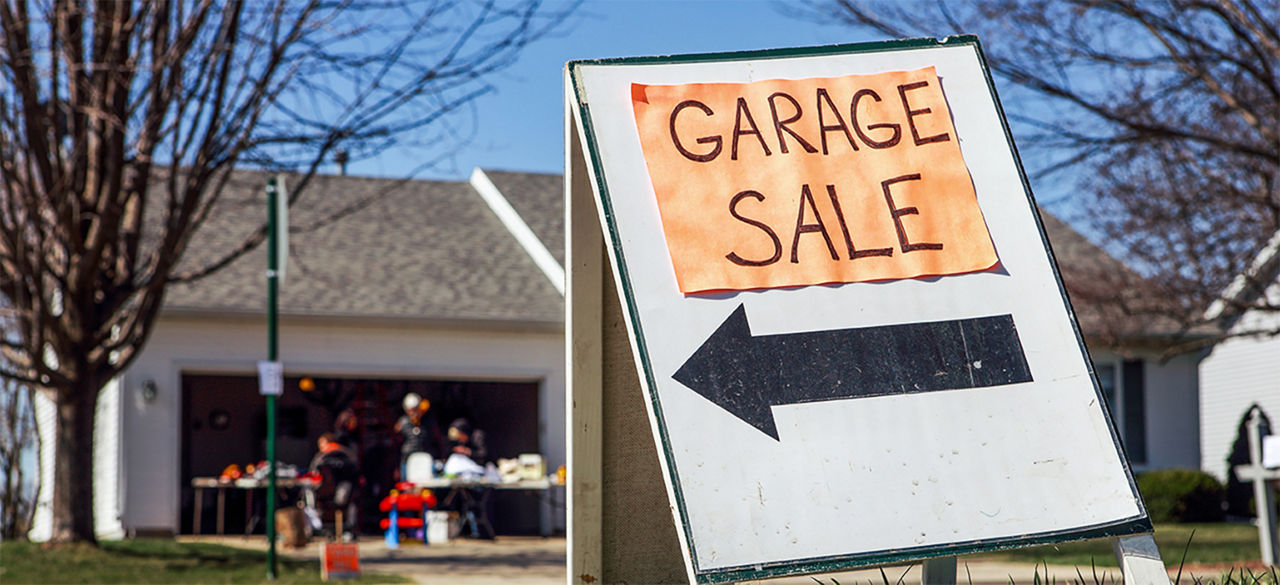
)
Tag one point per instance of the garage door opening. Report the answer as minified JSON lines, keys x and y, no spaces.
{"x":224,"y":423}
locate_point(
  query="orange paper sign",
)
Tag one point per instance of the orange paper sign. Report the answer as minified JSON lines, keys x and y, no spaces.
{"x":340,"y":560}
{"x":811,"y":181}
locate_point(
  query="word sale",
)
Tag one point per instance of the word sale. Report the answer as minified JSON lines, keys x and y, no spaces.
{"x":806,"y":206}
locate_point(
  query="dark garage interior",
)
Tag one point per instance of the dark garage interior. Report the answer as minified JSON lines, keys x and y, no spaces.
{"x":224,"y":423}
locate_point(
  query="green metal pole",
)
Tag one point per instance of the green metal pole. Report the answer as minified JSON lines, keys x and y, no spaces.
{"x":272,"y":283}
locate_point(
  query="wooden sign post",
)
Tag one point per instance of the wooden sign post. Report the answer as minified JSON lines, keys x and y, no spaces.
{"x":814,"y":324}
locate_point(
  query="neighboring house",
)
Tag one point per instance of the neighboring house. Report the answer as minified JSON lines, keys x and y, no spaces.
{"x":1153,"y":397}
{"x":1243,"y":369}
{"x":455,"y":291}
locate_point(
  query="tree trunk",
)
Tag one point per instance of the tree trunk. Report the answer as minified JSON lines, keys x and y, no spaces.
{"x":73,"y":463}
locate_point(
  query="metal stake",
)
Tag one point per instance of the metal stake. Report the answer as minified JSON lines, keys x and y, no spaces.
{"x":272,"y":283}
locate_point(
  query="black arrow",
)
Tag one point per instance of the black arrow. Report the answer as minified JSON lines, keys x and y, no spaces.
{"x":748,"y":375}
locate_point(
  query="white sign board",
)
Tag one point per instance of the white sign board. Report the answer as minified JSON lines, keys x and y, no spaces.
{"x":824,"y":393}
{"x":270,"y":378}
{"x":1271,"y":451}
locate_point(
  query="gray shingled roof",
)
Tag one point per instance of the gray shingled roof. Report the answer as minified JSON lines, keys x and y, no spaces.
{"x":1097,"y":283}
{"x":418,"y":250}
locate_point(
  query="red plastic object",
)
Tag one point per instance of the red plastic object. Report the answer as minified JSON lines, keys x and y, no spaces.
{"x":408,"y":502}
{"x":402,"y":522}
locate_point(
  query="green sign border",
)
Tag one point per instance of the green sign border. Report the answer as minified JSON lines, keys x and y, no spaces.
{"x":1135,"y":525}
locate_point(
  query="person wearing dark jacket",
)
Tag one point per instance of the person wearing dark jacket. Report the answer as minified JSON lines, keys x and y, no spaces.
{"x":418,"y":430}
{"x":339,"y":479}
{"x":467,"y":440}
{"x":346,"y":429}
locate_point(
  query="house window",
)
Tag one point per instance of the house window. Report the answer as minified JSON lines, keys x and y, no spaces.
{"x":1134,"y":394}
{"x":1123,"y":385}
{"x":1107,"y":380}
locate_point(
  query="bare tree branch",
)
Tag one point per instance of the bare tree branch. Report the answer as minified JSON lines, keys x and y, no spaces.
{"x":1163,"y":118}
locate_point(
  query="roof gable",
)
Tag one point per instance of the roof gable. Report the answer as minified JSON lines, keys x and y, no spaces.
{"x":539,"y":199}
{"x":1262,"y":274}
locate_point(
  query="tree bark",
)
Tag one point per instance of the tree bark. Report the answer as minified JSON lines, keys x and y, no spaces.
{"x":73,"y":508}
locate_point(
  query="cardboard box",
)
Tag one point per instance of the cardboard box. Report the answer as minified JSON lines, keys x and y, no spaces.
{"x":291,"y":524}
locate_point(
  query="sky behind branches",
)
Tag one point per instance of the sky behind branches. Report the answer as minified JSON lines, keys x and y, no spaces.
{"x":519,"y":126}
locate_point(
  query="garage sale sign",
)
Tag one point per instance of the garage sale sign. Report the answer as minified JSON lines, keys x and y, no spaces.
{"x":854,"y":344}
{"x":821,"y":193}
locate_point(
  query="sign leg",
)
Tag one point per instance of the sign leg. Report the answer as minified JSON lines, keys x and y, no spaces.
{"x":1139,"y":560}
{"x":940,"y":571}
{"x":222,"y":510}
{"x":584,"y":370}
{"x":195,"y":523}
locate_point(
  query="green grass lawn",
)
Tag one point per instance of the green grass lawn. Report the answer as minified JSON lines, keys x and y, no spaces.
{"x":145,"y":561}
{"x":1212,"y":544}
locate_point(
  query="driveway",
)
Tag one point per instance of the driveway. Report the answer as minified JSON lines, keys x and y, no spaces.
{"x":509,"y":560}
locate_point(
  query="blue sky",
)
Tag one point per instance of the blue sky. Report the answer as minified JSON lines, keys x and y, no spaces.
{"x":519,"y":126}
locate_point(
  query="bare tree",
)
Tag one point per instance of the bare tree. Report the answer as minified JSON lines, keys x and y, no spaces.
{"x":18,"y":440}
{"x":1162,"y":119}
{"x":121,"y":120}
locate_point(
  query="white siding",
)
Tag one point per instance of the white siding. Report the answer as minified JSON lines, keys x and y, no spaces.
{"x":152,"y":437}
{"x":1173,"y":427}
{"x":106,"y":463}
{"x":46,"y":424}
{"x":1171,"y":404}
{"x":1238,"y":373}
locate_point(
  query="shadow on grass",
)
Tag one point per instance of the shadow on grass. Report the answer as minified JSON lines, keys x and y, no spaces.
{"x":147,"y":561}
{"x":448,"y":562}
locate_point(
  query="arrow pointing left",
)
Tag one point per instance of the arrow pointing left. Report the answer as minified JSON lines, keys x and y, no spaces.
{"x":748,"y":375}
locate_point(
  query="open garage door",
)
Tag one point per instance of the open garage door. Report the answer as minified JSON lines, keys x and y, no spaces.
{"x":224,"y":423}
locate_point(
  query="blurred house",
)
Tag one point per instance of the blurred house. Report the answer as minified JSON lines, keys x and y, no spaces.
{"x":1153,"y":397}
{"x":393,"y":286}
{"x":1243,"y":369}
{"x":454,"y":291}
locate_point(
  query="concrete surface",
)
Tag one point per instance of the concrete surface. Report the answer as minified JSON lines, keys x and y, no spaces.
{"x":508,"y":560}
{"x":511,"y":560}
